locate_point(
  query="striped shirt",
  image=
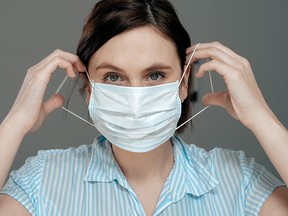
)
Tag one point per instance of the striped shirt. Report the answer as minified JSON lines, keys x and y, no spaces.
{"x":88,"y":181}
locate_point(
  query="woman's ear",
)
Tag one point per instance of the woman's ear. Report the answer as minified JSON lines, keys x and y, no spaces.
{"x":184,"y":85}
{"x":87,"y":94}
{"x":86,"y":88}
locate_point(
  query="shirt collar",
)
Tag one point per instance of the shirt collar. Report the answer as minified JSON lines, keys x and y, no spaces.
{"x":190,"y":173}
{"x":103,"y":166}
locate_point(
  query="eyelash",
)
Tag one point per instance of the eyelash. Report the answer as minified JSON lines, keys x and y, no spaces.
{"x":107,"y":76}
{"x":161,"y":74}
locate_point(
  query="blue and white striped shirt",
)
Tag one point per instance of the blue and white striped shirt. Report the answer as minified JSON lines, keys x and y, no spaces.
{"x":88,"y":181}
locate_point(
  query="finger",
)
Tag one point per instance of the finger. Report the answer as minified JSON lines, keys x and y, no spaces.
{"x":215,"y":54}
{"x":214,"y":50}
{"x":188,"y":60}
{"x":35,"y":82}
{"x":194,"y":60}
{"x":213,"y":45}
{"x":219,"y":67}
{"x":53,"y":103}
{"x":221,"y":99}
{"x":216,"y":99}
{"x":73,"y":59}
{"x":209,"y":53}
{"x":57,"y":62}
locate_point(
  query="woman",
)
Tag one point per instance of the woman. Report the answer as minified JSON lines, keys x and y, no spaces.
{"x":134,"y":52}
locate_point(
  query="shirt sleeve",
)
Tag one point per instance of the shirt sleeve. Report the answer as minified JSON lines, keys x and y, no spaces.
{"x":23,"y":184}
{"x":259,"y":184}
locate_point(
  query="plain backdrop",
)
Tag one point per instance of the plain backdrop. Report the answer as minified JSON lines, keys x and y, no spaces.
{"x":257,"y":30}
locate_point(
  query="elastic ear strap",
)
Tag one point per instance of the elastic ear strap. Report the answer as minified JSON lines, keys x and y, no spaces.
{"x":64,"y":108}
{"x":198,"y":113}
{"x":211,"y":85}
{"x":188,"y":64}
{"x":63,"y":82}
{"x":74,"y":114}
{"x":61,"y":85}
{"x":88,"y":76}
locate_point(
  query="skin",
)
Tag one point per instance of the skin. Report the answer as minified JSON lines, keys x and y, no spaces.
{"x":141,"y":57}
{"x":126,"y":60}
{"x":28,"y":113}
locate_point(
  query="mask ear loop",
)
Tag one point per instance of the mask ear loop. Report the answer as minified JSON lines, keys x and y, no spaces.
{"x":88,"y":76}
{"x":211,"y":84}
{"x":65,"y":109}
{"x":188,"y":64}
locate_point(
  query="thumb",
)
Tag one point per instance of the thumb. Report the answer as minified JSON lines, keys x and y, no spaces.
{"x":218,"y":99}
{"x":53,"y":103}
{"x":221,"y":99}
{"x":48,"y":106}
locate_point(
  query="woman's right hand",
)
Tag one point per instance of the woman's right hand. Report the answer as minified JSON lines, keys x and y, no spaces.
{"x":29,"y":110}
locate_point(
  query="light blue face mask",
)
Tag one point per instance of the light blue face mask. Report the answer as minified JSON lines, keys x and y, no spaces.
{"x":136,"y":119}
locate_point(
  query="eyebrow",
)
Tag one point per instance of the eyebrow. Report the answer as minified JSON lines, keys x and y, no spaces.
{"x":153,"y":67}
{"x":107,"y":66}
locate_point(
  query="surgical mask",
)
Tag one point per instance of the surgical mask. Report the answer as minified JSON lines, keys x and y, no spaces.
{"x":136,"y":119}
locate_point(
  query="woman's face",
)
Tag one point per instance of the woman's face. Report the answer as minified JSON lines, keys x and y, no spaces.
{"x":137,"y":58}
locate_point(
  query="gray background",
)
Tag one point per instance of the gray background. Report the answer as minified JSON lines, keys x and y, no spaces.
{"x":257,"y":30}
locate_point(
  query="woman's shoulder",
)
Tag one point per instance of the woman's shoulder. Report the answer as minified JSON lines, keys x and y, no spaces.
{"x":42,"y":170}
{"x":226,"y":164}
{"x":51,"y":162}
{"x":81,"y":151}
{"x":218,"y":158}
{"x":216,"y":152}
{"x":54,"y":159}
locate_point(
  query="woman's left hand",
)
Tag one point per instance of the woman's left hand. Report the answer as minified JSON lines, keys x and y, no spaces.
{"x":243,"y":99}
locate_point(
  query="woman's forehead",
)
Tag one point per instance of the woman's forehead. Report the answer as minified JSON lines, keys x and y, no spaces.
{"x":143,"y":45}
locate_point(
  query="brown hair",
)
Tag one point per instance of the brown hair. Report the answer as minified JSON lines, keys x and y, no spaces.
{"x":112,"y":17}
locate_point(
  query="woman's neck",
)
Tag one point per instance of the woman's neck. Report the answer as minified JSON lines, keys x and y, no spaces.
{"x":143,"y":166}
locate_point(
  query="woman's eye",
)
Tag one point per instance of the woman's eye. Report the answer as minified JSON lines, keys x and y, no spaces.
{"x":156,"y":76}
{"x":113,"y":77}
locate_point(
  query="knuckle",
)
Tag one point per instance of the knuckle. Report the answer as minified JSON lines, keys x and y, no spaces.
{"x":32,"y":74}
{"x":57,"y":52}
{"x":245,"y":62}
{"x":212,"y":50}
{"x":31,"y":71}
{"x":56,"y":59}
{"x":76,"y":58}
{"x":216,"y":44}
